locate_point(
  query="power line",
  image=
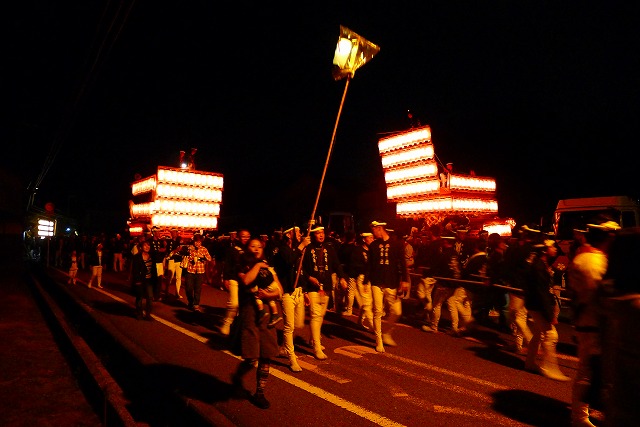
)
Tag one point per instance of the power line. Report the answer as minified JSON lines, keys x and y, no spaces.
{"x":94,"y":61}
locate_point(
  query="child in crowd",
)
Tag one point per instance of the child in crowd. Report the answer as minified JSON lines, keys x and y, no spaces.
{"x":73,"y":268}
{"x":273,"y":305}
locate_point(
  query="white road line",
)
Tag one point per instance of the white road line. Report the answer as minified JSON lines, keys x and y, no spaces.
{"x":447,"y":372}
{"x":165,"y":322}
{"x":181,"y":329}
{"x":357,"y":352}
{"x":442,"y":384}
{"x":336,"y":400}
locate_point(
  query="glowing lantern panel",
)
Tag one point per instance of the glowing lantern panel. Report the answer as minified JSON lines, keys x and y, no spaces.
{"x":184,"y":199}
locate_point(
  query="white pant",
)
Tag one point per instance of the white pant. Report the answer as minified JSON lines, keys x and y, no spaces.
{"x":365,"y":299}
{"x":440,"y":295}
{"x":118,"y":262}
{"x":232,"y":301}
{"x":518,"y":318}
{"x":545,"y":337}
{"x":293,"y":316}
{"x":459,"y":304}
{"x":175,"y":271}
{"x":385,"y":300}
{"x":588,"y":347}
{"x":318,"y":303}
{"x":424,"y":293}
{"x":96,"y":273}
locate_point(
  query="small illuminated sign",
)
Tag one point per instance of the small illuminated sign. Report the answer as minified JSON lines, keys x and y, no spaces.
{"x":46,"y":228}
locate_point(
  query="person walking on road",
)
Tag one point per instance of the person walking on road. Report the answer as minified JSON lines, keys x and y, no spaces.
{"x":286,"y":260}
{"x":143,"y":278}
{"x":388,"y":274}
{"x":118,"y":248}
{"x":198,"y":256}
{"x":586,"y":271}
{"x":258,"y":342}
{"x":517,"y":261}
{"x":73,"y":268}
{"x":355,"y":256}
{"x":174,"y":264}
{"x":320,"y":263}
{"x":446,"y":266}
{"x":97,"y":260}
{"x":230,"y":277}
{"x":543,"y":307}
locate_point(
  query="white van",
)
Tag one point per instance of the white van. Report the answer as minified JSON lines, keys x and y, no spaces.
{"x":573,"y":214}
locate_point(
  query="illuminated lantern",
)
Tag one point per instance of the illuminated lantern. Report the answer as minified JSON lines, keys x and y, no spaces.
{"x":412,"y":180}
{"x":178,"y":198}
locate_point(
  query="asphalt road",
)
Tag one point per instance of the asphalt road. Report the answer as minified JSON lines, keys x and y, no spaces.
{"x":429,"y":379}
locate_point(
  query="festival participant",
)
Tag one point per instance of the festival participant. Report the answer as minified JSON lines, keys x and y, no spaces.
{"x":355,"y":268}
{"x":198,"y":256}
{"x":230,"y":275}
{"x":585,"y":274}
{"x":445,"y":265}
{"x":258,"y":342}
{"x":174,"y":262}
{"x":542,"y":306}
{"x":286,"y":261}
{"x":517,"y":260}
{"x":619,"y":305}
{"x":460,"y":302}
{"x":143,"y":278}
{"x":319,"y":263}
{"x":387,"y":272}
{"x":73,"y":268}
{"x":97,"y":260}
{"x":159,"y":252}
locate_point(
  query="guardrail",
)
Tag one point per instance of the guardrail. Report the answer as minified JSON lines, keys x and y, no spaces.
{"x":483,"y":283}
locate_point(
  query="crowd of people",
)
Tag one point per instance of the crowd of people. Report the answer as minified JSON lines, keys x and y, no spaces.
{"x":480,"y":277}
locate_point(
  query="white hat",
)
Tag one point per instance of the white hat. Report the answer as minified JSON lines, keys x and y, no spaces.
{"x":318,"y":228}
{"x":527,"y":228}
{"x":366,"y":234}
{"x":288,"y":230}
{"x":378,"y":224}
{"x":546,"y":243}
{"x":605,"y":226}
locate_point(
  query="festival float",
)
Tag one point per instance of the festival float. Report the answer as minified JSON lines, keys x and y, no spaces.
{"x":176,"y":198}
{"x":422,"y":190}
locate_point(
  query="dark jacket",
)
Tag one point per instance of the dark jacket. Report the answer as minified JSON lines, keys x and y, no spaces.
{"x":387,"y":266}
{"x":321,"y":261}
{"x":286,"y":261}
{"x":94,"y":260}
{"x":537,"y":295}
{"x":139,"y":271}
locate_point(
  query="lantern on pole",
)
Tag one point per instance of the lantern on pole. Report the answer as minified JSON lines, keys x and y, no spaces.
{"x":352,"y":52}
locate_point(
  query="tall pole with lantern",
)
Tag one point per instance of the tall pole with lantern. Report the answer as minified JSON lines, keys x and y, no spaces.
{"x":352,"y":52}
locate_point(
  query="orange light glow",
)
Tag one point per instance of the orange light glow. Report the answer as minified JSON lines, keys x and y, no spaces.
{"x":404,"y":140}
{"x":143,"y":186}
{"x":413,"y":189}
{"x":414,"y":183}
{"x":404,"y":157}
{"x":447,"y":204}
{"x":472,"y":183}
{"x":185,"y":221}
{"x":183,"y":199}
{"x":409,"y":173}
{"x":501,"y":229}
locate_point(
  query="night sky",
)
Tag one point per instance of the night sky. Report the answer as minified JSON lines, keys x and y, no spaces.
{"x":543,"y":96}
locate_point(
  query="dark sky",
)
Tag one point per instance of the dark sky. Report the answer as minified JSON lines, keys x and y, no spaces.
{"x":543,"y":96}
